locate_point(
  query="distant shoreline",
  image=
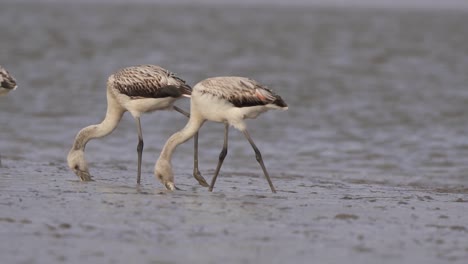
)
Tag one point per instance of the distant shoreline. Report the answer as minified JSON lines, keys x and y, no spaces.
{"x":366,"y":4}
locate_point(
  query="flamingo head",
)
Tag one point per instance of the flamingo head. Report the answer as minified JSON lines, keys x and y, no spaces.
{"x":77,"y":163}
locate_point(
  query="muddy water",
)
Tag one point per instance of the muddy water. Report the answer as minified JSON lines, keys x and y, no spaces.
{"x":370,"y":161}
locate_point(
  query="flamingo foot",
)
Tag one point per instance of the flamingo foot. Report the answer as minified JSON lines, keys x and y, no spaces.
{"x":197,"y":175}
{"x":83,"y":175}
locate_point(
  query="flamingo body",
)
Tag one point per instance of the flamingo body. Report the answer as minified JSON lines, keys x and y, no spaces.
{"x":146,"y":88}
{"x":233,"y":99}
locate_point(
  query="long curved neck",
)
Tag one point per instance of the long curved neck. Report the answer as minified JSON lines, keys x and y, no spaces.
{"x":113,"y":115}
{"x":192,"y":127}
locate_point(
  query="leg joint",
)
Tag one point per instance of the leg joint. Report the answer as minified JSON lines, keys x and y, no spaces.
{"x":223,"y":154}
{"x":258,"y":156}
{"x":140,"y":145}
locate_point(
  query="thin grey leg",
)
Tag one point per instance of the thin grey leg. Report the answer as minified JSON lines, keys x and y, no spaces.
{"x":196,"y":173}
{"x":258,"y":156}
{"x":139,"y":149}
{"x":182,"y":111}
{"x":222,"y":155}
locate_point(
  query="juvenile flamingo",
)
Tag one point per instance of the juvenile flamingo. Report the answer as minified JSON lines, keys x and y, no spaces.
{"x":138,"y":90}
{"x":7,"y":82}
{"x":229,"y":100}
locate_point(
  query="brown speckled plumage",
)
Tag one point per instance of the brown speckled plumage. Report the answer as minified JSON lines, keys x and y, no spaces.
{"x":240,"y":91}
{"x":7,"y":82}
{"x":149,"y":81}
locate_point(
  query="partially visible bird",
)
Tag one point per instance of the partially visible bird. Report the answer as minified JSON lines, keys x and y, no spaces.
{"x":138,"y":90}
{"x":7,"y":82}
{"x":229,"y":100}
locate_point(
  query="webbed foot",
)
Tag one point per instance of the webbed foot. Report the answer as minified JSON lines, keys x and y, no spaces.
{"x":83,"y":175}
{"x":197,"y":175}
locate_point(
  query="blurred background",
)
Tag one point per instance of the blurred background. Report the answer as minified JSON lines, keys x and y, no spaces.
{"x":377,"y":90}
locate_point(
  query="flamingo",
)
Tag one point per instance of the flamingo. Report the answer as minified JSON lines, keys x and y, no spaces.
{"x":7,"y":82}
{"x":138,"y":90}
{"x":228,"y":100}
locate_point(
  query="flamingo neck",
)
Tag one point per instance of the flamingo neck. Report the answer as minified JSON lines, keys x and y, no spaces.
{"x":113,"y":115}
{"x":181,"y":136}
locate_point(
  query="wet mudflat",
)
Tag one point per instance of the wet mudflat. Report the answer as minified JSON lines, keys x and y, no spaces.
{"x":49,"y":217}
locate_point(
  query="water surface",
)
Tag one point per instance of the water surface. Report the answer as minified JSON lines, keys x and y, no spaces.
{"x":373,"y":95}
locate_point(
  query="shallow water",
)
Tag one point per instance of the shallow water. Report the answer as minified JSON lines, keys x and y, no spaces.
{"x":377,"y":99}
{"x":373,"y":95}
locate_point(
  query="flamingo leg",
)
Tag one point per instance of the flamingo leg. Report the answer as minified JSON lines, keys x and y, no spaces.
{"x":178,"y":109}
{"x":84,"y":175}
{"x":258,"y":156}
{"x":196,"y":173}
{"x":222,"y":155}
{"x":139,"y":148}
